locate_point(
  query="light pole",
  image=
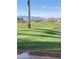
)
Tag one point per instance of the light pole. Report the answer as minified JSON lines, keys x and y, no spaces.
{"x":29,"y":23}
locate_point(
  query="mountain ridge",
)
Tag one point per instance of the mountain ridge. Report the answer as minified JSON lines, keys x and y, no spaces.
{"x":32,"y":17}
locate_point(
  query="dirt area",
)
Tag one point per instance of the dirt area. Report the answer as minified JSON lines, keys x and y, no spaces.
{"x":40,"y":53}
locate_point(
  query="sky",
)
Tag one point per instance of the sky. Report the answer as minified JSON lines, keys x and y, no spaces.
{"x":41,"y":8}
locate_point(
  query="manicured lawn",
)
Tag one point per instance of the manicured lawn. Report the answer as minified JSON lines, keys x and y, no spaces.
{"x":44,"y":36}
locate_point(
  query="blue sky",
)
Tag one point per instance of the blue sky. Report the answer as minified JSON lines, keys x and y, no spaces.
{"x":41,"y":8}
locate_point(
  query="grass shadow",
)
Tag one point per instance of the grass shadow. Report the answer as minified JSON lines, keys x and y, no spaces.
{"x":38,"y":35}
{"x":37,"y":45}
{"x":47,"y":31}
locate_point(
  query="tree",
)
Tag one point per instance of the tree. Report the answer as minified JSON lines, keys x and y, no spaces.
{"x":29,"y":23}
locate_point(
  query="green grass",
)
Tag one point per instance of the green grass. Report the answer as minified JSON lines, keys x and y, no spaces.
{"x":42,"y":36}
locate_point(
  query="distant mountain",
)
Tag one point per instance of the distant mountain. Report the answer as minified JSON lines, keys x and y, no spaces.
{"x":32,"y":17}
{"x":24,"y":17}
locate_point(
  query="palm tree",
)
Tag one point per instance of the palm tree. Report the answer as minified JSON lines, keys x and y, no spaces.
{"x":29,"y":23}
